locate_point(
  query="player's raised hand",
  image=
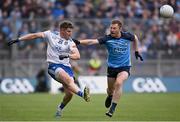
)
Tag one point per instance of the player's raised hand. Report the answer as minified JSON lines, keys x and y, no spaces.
{"x":62,"y":56}
{"x":12,"y":42}
{"x":137,"y":55}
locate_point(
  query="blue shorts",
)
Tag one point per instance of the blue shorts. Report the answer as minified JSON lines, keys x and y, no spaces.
{"x":54,"y":68}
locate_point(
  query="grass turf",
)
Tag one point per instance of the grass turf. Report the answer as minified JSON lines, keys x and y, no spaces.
{"x":132,"y":107}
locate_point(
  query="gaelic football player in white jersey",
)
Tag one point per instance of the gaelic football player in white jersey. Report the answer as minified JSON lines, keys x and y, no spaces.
{"x":60,"y":50}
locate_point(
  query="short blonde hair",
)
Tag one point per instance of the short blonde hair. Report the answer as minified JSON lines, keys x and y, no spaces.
{"x":117,"y":22}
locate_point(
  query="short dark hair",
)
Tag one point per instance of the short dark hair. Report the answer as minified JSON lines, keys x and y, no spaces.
{"x":65,"y":25}
{"x":117,"y":22}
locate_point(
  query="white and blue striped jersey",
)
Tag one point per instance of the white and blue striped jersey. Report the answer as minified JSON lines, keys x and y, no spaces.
{"x":56,"y":46}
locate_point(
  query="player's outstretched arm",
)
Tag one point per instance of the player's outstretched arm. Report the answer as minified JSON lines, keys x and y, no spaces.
{"x":89,"y":41}
{"x":137,"y":54}
{"x":27,"y":37}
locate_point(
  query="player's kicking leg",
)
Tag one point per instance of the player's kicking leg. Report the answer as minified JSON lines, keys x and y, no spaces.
{"x":68,"y":96}
{"x":68,"y":81}
{"x":65,"y":76}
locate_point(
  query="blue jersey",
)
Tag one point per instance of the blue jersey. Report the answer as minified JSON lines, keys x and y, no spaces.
{"x":118,"y":49}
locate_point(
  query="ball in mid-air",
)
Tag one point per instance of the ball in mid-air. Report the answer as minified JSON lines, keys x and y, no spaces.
{"x":166,"y":11}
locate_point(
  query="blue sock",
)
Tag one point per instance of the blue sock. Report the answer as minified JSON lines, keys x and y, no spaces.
{"x":62,"y":106}
{"x":80,"y":93}
{"x":113,"y":106}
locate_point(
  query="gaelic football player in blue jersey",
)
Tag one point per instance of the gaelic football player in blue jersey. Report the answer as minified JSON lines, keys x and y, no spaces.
{"x":119,"y":61}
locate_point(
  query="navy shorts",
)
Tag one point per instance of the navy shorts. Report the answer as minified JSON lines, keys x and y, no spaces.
{"x":53,"y":70}
{"x":113,"y":72}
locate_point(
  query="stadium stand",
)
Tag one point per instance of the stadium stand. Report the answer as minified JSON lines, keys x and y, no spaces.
{"x":160,"y":38}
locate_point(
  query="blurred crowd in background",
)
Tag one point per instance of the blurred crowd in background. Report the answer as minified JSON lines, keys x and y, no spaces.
{"x":91,"y":19}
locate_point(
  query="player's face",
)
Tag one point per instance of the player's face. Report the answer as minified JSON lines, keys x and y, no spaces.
{"x":114,"y":30}
{"x":66,"y":33}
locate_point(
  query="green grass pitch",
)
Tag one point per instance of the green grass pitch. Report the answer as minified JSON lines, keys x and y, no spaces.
{"x":132,"y":107}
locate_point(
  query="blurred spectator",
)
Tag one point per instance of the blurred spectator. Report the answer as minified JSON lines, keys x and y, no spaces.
{"x":2,"y":37}
{"x":143,"y":48}
{"x":71,"y":10}
{"x":6,"y":29}
{"x":171,"y":39}
{"x":42,"y":81}
{"x":94,"y":64}
{"x":58,"y":11}
{"x":85,"y":8}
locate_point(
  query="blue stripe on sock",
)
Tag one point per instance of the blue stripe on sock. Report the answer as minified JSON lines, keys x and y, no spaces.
{"x":80,"y":93}
{"x":113,"y":107}
{"x":62,"y":106}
